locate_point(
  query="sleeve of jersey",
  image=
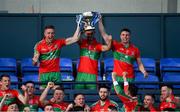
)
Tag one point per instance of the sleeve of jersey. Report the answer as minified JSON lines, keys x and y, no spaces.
{"x":113,"y":44}
{"x":62,"y":42}
{"x":99,"y":47}
{"x":92,"y":108}
{"x":119,"y":91}
{"x":137,"y":53}
{"x":16,"y":93}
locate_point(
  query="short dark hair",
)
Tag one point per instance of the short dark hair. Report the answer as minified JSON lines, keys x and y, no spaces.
{"x":103,"y":86}
{"x":49,"y":27}
{"x":29,"y":82}
{"x":78,"y":94}
{"x":125,"y":29}
{"x":152,"y":95}
{"x":47,"y":105}
{"x":167,"y":85}
{"x":4,"y":75}
{"x":59,"y":88}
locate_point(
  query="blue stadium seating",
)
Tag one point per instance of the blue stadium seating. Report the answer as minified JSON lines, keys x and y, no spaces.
{"x":28,"y":70}
{"x":66,"y":69}
{"x":9,"y":66}
{"x":99,"y":69}
{"x":150,"y":79}
{"x":108,"y":68}
{"x":170,"y":70}
{"x":150,"y":66}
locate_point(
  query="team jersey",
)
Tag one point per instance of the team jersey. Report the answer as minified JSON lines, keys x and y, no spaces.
{"x":97,"y":107}
{"x":34,"y":103}
{"x":130,"y":104}
{"x":59,"y":106}
{"x":124,"y":58}
{"x":151,"y":109}
{"x":12,"y":98}
{"x":166,"y":104}
{"x":49,"y":55}
{"x":89,"y":55}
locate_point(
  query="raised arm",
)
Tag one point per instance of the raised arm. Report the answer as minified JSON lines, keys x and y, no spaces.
{"x":26,"y":97}
{"x":22,"y":99}
{"x":3,"y":101}
{"x":75,"y":37}
{"x":36,"y":56}
{"x":105,"y":36}
{"x":108,"y":46}
{"x":45,"y":92}
{"x":141,"y":67}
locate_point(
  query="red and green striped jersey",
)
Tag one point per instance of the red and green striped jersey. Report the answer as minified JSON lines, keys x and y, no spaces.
{"x":89,"y":55}
{"x":49,"y":55}
{"x":12,"y":98}
{"x":124,"y":58}
{"x":169,"y":104}
{"x":60,"y":106}
{"x":151,"y":109}
{"x":97,"y":107}
{"x":130,"y":104}
{"x":33,"y":104}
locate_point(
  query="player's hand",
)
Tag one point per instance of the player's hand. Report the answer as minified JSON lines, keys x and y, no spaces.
{"x":168,"y":99}
{"x":162,"y":98}
{"x":145,"y":74}
{"x":35,"y":59}
{"x":70,"y":106}
{"x":100,"y":18}
{"x":50,"y":84}
{"x":7,"y":95}
{"x":52,"y":100}
{"x":24,"y":88}
{"x":86,"y":108}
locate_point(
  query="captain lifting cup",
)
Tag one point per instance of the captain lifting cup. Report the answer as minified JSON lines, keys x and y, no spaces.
{"x":87,"y":20}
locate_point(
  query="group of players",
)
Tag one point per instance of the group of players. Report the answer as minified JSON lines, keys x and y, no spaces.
{"x":46,"y":54}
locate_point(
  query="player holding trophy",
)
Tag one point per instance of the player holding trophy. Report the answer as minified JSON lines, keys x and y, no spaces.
{"x":90,"y":50}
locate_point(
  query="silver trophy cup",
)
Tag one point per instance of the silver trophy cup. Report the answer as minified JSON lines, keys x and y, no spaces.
{"x":87,"y":20}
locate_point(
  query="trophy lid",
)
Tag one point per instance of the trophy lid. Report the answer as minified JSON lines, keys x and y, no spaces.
{"x":89,"y":28}
{"x":88,"y":14}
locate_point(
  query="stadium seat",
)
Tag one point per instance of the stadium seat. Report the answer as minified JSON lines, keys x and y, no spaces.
{"x":9,"y":66}
{"x":150,"y":79}
{"x":170,"y":70}
{"x":66,"y":69}
{"x":108,"y":68}
{"x":29,"y":71}
{"x":150,"y":66}
{"x":99,"y":69}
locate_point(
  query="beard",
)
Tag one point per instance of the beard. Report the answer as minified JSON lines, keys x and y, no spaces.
{"x":104,"y":98}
